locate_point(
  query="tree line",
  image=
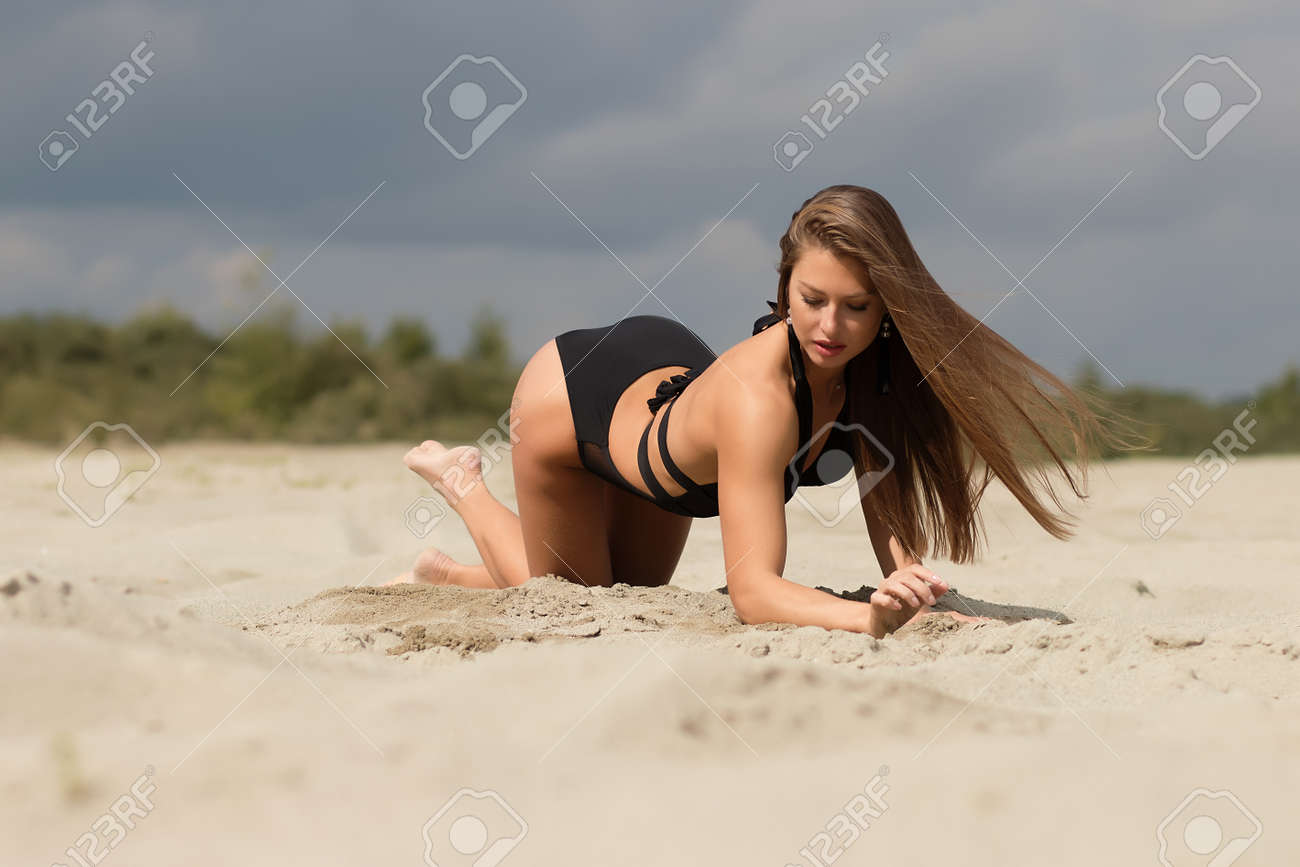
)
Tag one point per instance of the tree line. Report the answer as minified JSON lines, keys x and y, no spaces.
{"x":273,"y":380}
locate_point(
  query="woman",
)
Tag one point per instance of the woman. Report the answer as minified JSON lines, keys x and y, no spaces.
{"x":607,"y":488}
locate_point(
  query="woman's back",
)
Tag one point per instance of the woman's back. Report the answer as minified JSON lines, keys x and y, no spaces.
{"x":764,"y":366}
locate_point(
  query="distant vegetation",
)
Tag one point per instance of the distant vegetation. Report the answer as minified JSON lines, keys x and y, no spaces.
{"x":274,"y":380}
{"x":1182,"y":423}
{"x":270,"y":381}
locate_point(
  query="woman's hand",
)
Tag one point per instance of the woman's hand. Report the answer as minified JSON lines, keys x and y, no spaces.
{"x":905,"y":593}
{"x":910,"y":587}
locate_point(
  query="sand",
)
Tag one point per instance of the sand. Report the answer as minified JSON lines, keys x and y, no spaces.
{"x":217,"y":664}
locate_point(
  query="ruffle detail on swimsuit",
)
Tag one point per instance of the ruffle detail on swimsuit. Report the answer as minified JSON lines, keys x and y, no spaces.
{"x":671,"y":387}
{"x":676,"y":384}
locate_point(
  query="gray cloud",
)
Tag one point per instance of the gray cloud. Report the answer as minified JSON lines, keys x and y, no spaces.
{"x":650,"y":124}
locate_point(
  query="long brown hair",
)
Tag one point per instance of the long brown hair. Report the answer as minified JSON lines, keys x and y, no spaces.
{"x":959,"y":393}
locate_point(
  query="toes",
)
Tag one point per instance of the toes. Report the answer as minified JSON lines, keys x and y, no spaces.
{"x":426,"y":561}
{"x":432,"y":566}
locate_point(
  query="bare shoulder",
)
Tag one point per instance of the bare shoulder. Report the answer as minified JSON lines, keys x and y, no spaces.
{"x":750,"y":390}
{"x":742,"y":404}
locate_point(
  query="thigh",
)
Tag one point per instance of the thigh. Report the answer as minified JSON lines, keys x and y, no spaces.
{"x":561,"y":505}
{"x":645,"y":541}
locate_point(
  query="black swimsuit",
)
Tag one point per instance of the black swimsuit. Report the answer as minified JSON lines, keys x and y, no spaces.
{"x":600,"y":363}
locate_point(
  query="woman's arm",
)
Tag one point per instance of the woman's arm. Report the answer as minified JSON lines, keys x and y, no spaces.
{"x":753,"y":448}
{"x":913,"y":587}
{"x":889,"y":553}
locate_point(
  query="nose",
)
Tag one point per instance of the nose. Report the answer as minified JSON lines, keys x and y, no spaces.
{"x":830,"y":326}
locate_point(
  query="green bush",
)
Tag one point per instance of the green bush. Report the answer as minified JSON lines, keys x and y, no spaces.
{"x":169,"y":379}
{"x":1181,"y":423}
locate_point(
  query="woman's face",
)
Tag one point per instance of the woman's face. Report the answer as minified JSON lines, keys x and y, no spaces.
{"x":831,"y":310}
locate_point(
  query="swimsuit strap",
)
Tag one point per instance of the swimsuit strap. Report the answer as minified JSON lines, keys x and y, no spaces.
{"x":767,"y":319}
{"x":647,"y":473}
{"x":670,"y":389}
{"x":661,"y":494}
{"x":802,"y":392}
{"x":673,"y":470}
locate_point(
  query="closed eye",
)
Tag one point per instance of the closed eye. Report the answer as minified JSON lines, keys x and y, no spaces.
{"x":813,"y":302}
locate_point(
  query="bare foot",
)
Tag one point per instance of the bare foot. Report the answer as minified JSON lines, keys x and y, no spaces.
{"x":431,"y":567}
{"x":452,"y":472}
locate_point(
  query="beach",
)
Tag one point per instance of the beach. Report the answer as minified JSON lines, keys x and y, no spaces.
{"x":217,"y":670}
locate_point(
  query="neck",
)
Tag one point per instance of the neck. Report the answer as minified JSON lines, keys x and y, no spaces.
{"x":826,"y":385}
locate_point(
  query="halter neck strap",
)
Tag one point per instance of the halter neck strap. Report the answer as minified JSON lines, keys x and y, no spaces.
{"x":767,"y":319}
{"x":802,"y":392}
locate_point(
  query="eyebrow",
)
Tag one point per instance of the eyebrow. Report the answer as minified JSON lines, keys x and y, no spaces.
{"x":863,"y":294}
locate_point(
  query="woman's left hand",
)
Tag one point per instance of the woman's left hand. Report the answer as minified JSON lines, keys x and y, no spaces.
{"x":910,"y":587}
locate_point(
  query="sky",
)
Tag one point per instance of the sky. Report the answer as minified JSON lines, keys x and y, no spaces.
{"x":589,"y":152}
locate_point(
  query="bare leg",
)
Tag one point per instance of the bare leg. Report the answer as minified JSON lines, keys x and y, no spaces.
{"x":457,"y":475}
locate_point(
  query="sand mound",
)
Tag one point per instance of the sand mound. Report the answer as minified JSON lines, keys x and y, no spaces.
{"x":414,"y":618}
{"x":411,"y":618}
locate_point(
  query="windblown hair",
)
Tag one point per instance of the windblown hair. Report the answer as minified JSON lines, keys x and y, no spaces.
{"x":960,"y":397}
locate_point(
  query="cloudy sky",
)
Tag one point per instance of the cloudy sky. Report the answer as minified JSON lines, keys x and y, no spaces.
{"x":640,"y":134}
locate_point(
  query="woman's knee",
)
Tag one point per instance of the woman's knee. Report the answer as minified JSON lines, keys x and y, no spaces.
{"x":645,"y":541}
{"x":560,"y":514}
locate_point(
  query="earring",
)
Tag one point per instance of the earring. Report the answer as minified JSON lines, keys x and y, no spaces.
{"x":789,"y":321}
{"x":882,"y":357}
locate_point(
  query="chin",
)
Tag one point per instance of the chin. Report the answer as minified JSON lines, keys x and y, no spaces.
{"x":835,"y":363}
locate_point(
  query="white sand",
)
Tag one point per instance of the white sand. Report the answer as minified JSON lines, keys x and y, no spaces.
{"x":627,"y":725}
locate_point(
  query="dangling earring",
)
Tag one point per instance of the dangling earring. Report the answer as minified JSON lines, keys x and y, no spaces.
{"x":882,"y":357}
{"x":788,"y":320}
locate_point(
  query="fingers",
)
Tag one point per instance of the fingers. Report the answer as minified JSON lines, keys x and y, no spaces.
{"x":897,"y":592}
{"x":904,"y":587}
{"x":936,"y":584}
{"x":920,"y":593}
{"x":882,"y":599}
{"x":912,"y":585}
